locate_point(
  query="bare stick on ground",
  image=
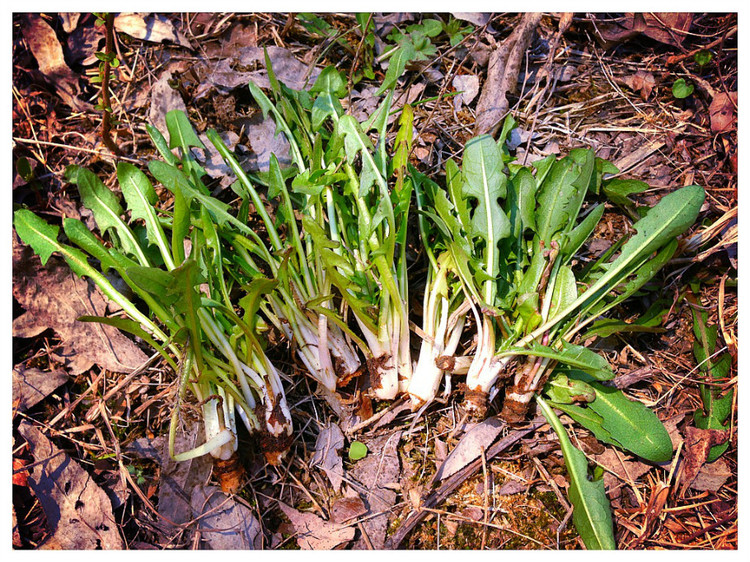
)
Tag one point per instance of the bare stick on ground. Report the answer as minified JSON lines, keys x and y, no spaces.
{"x":502,"y":75}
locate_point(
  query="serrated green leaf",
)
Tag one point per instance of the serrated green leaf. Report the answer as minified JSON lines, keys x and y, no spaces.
{"x":107,"y":211}
{"x":37,"y":233}
{"x":404,"y":54}
{"x":556,"y":199}
{"x":81,"y":236}
{"x":141,"y":199}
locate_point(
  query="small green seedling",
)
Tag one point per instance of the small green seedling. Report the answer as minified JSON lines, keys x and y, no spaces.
{"x":682,"y":88}
{"x":357,"y":451}
{"x":703,"y":57}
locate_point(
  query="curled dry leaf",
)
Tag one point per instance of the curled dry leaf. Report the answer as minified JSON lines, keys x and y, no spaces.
{"x":698,"y":443}
{"x":46,"y":49}
{"x":669,"y":28}
{"x":225,"y":524}
{"x":377,"y":473}
{"x":55,"y":298}
{"x":470,"y":447}
{"x":31,"y":386}
{"x":314,"y":533}
{"x":330,"y":441}
{"x":477,"y":18}
{"x":723,"y":112}
{"x":230,"y":72}
{"x":154,"y":28}
{"x":78,"y":511}
{"x":468,"y":85}
{"x":642,"y":82}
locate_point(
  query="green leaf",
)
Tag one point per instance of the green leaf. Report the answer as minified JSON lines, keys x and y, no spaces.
{"x":141,"y":198}
{"x":703,"y":57}
{"x":609,"y":326}
{"x":357,"y":450}
{"x":161,"y":145}
{"x":132,"y":327}
{"x":181,"y":133}
{"x":557,"y":199}
{"x":570,"y":354}
{"x":628,"y":422}
{"x":485,"y":182}
{"x":81,"y":236}
{"x":105,"y":206}
{"x":521,"y":202}
{"x":37,"y":233}
{"x":618,"y":190}
{"x":564,"y":291}
{"x":716,"y":405}
{"x":403,"y":55}
{"x":578,"y":235}
{"x":682,"y":89}
{"x":591,"y":511}
{"x":669,"y":218}
{"x":564,"y":390}
{"x":42,"y":237}
{"x":330,"y":81}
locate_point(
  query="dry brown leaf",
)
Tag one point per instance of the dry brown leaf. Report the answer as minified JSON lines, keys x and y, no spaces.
{"x":327,"y":446}
{"x":619,"y":468}
{"x":468,"y":85}
{"x":723,"y":112}
{"x":31,"y":386}
{"x":505,"y":63}
{"x":177,"y":479}
{"x":154,"y":28}
{"x":70,"y":21}
{"x":314,"y":533}
{"x":670,"y":28}
{"x":698,"y":443}
{"x":264,"y":141}
{"x":470,"y":447}
{"x":477,"y":18}
{"x":164,"y":98}
{"x":345,"y":509}
{"x":213,"y":163}
{"x":43,"y":44}
{"x":55,"y":298}
{"x":228,"y":73}
{"x":642,"y":82}
{"x":225,"y":524}
{"x":712,"y":476}
{"x":78,"y":511}
{"x":377,"y":473}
